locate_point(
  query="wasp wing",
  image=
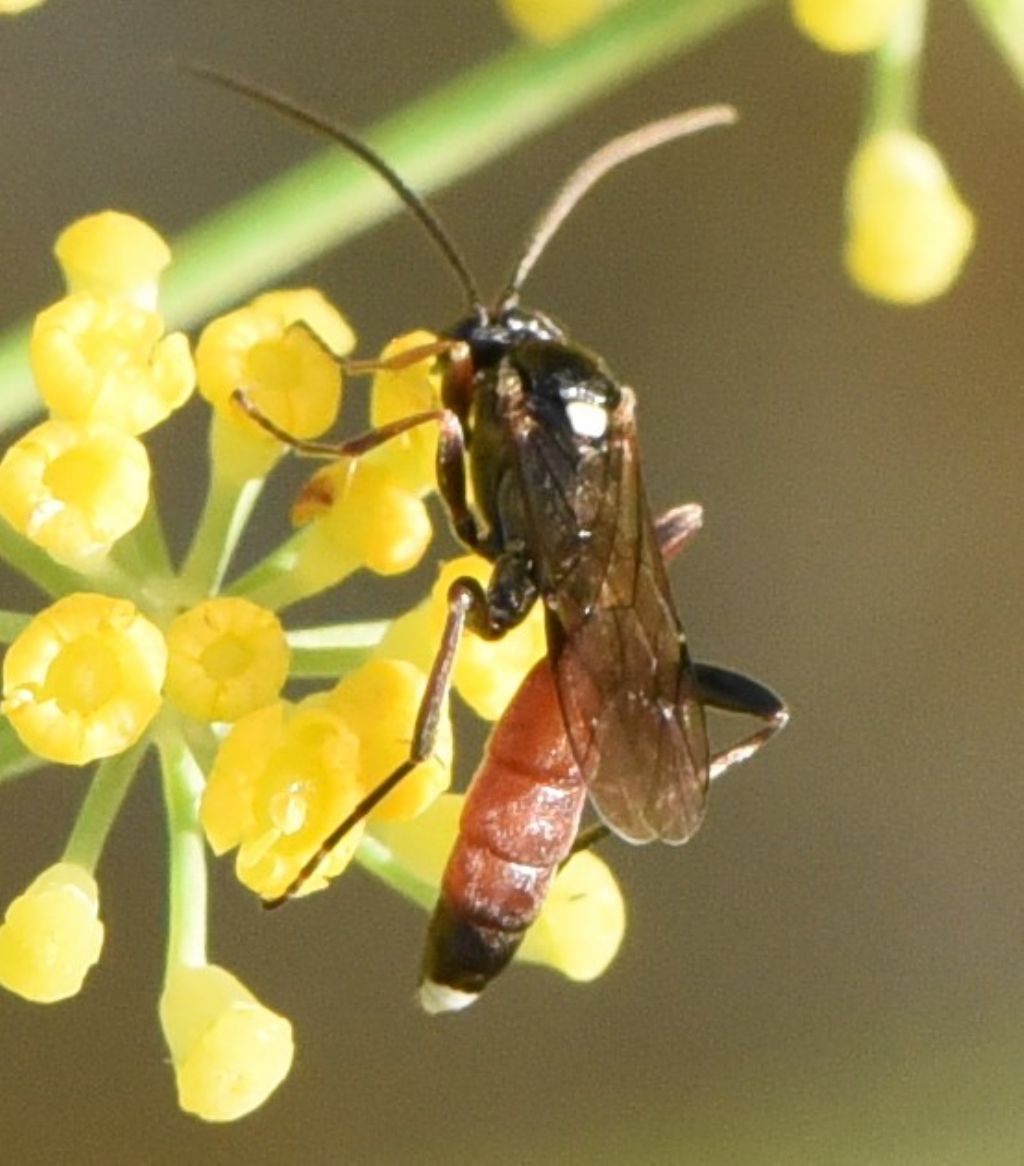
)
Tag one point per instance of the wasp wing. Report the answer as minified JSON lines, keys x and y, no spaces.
{"x":625,"y":683}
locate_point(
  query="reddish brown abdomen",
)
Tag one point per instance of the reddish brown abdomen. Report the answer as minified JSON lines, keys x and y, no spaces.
{"x":521,"y":815}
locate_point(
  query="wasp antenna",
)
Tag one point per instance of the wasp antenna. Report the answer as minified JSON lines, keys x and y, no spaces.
{"x":594,"y":168}
{"x":420,"y":209}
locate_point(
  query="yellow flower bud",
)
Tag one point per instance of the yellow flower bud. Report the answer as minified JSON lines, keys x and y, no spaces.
{"x":114,"y":254}
{"x":582,"y":923}
{"x":51,"y":935}
{"x":364,"y":517}
{"x":281,"y":351}
{"x":83,"y":680}
{"x":74,"y":487}
{"x":226,"y":657}
{"x":13,"y":7}
{"x":379,"y":702}
{"x":549,"y":21}
{"x":229,"y":1051}
{"x":101,"y":358}
{"x":909,"y":230}
{"x":487,"y":673}
{"x":283,"y":778}
{"x":846,"y":26}
{"x":400,"y":393}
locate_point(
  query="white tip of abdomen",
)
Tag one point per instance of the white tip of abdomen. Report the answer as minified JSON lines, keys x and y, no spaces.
{"x":436,"y":998}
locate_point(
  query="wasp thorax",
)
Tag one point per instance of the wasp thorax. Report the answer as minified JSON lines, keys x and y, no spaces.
{"x":566,"y":385}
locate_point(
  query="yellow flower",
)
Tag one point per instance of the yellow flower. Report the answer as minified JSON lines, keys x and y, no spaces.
{"x":400,"y":393}
{"x":281,"y":350}
{"x":363,"y":516}
{"x":230,"y":1052}
{"x":101,"y":358}
{"x":226,"y":657}
{"x":83,"y":680}
{"x":114,"y":254}
{"x":847,"y":26}
{"x":13,"y":7}
{"x":549,"y":21}
{"x":909,"y":230}
{"x":51,"y":935}
{"x":487,"y":673}
{"x":307,"y":306}
{"x":283,"y":778}
{"x":580,"y":928}
{"x":74,"y":487}
{"x":379,"y":702}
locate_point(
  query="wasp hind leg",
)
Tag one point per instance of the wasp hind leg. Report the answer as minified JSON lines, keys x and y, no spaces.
{"x":732,"y":692}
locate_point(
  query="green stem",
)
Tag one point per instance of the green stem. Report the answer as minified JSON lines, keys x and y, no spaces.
{"x":447,"y":134}
{"x":896,"y":76}
{"x":35,"y":564}
{"x":107,"y":791}
{"x":229,"y":502}
{"x":15,"y":759}
{"x":12,"y":624}
{"x":143,"y":552}
{"x":271,"y":581}
{"x":305,"y":564}
{"x":183,"y":787}
{"x":1004,"y":22}
{"x":376,"y":857}
{"x":334,"y":650}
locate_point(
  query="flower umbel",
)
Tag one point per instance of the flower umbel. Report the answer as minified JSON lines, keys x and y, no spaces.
{"x":134,"y":651}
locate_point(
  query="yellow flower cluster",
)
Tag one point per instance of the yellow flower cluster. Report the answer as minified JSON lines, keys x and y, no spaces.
{"x":134,"y":651}
{"x":908,"y":230}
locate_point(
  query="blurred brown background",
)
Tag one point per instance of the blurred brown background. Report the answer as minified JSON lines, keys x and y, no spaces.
{"x":832,"y":971}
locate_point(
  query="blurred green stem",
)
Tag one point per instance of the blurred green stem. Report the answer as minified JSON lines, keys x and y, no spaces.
{"x":892,"y":96}
{"x":1004,"y":21}
{"x":183,"y":788}
{"x":447,"y":134}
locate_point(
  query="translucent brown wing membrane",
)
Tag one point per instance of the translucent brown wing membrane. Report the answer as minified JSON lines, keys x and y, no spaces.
{"x":624,"y":680}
